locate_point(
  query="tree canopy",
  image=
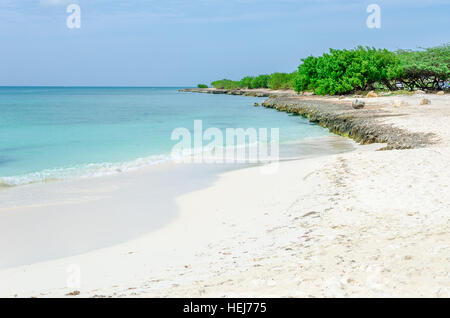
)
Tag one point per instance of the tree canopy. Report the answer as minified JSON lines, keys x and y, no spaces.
{"x":273,"y":81}
{"x":358,"y":69}
{"x":425,"y":69}
{"x":344,"y":71}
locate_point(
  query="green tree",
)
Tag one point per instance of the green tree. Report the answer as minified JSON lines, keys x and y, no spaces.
{"x":261,"y":81}
{"x":344,"y":71}
{"x":225,"y":84}
{"x":246,"y":82}
{"x":426,"y":68}
{"x":282,"y":80}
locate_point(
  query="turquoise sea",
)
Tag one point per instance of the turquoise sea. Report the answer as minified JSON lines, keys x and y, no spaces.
{"x":49,"y":133}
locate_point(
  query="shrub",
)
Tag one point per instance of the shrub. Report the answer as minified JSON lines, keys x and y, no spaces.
{"x":359,"y":69}
{"x":261,"y":81}
{"x":282,"y":80}
{"x":345,"y":71}
{"x":225,"y":84}
{"x":246,"y":82}
{"x":202,"y":86}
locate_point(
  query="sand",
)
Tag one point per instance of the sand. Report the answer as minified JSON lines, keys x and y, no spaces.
{"x":365,"y":223}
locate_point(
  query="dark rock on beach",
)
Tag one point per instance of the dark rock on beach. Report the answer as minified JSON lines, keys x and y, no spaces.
{"x":358,"y":104}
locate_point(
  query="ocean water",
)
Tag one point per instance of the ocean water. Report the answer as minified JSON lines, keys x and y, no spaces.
{"x":50,"y":133}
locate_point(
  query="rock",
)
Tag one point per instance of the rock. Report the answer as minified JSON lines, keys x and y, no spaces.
{"x":371,"y":94}
{"x":358,"y":104}
{"x":425,"y":101}
{"x":420,"y":91}
{"x":74,"y":293}
{"x":341,"y":97}
{"x":440,"y":93}
{"x":256,"y":104}
{"x":399,"y":103}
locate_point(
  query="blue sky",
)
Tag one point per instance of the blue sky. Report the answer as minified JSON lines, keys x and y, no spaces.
{"x":182,"y":43}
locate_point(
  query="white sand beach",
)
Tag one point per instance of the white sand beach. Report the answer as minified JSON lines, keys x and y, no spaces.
{"x":365,"y":223}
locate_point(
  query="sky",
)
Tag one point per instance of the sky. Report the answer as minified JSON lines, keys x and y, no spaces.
{"x":186,"y":42}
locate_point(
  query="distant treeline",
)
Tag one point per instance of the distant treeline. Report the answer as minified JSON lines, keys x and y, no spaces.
{"x":359,"y":69}
{"x":272,"y":81}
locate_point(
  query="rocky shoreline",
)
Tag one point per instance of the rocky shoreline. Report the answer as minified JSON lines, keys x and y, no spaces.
{"x":365,"y":126}
{"x":240,"y":92}
{"x":361,"y":125}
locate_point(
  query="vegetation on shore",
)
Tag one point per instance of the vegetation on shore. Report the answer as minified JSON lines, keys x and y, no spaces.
{"x":359,"y":69}
{"x":364,"y":68}
{"x":272,"y":81}
{"x":425,"y":69}
{"x":202,"y":86}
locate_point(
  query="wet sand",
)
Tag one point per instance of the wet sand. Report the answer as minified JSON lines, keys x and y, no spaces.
{"x":41,"y":222}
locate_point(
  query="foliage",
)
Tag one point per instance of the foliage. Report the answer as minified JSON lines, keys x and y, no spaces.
{"x":246,"y":82}
{"x":425,"y":69}
{"x":261,"y":81}
{"x":225,"y":84}
{"x":345,"y":71}
{"x":364,"y":68}
{"x":282,"y":80}
{"x":274,"y":81}
{"x":359,"y":69}
{"x":202,"y":86}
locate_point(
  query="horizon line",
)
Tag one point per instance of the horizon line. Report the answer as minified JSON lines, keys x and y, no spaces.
{"x":93,"y":86}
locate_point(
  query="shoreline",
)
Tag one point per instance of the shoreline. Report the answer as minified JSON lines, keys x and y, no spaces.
{"x":147,"y":195}
{"x":307,"y":231}
{"x":358,"y":125}
{"x":365,"y":223}
{"x":113,"y":168}
{"x":336,"y":114}
{"x":257,"y":92}
{"x":180,"y":242}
